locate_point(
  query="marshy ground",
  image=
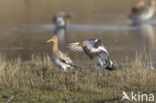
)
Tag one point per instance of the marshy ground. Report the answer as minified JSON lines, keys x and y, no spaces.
{"x":40,"y":82}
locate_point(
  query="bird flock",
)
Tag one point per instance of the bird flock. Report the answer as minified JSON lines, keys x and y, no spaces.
{"x":94,"y":48}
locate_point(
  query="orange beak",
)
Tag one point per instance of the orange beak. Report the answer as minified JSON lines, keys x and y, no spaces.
{"x":50,"y":40}
{"x":74,"y":46}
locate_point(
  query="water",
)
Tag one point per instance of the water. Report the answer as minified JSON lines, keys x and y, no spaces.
{"x":25,"y":25}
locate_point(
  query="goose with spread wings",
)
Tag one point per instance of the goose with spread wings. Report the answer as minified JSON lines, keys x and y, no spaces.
{"x":96,"y":52}
{"x":59,"y":59}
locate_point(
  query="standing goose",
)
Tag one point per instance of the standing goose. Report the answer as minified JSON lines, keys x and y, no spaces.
{"x":60,"y":19}
{"x":96,"y":52}
{"x":60,"y":59}
{"x":60,"y":23}
{"x":141,"y":12}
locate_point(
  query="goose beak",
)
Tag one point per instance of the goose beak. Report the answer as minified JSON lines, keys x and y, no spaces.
{"x":74,"y":46}
{"x":50,"y":40}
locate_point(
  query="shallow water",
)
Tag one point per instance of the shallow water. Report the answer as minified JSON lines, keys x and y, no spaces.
{"x":25,"y":25}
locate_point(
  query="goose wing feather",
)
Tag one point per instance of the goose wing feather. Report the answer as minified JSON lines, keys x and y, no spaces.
{"x":90,"y":45}
{"x":76,"y":49}
{"x":64,"y":58}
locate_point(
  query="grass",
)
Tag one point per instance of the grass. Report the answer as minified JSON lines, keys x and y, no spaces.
{"x":39,"y":82}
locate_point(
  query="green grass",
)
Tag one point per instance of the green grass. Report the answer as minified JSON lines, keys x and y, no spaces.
{"x":39,"y":82}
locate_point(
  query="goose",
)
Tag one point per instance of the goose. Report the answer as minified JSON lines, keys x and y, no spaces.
{"x":96,"y":52}
{"x":60,"y":59}
{"x":141,"y":12}
{"x":60,"y":19}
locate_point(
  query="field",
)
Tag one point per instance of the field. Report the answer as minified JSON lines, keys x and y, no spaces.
{"x":39,"y":82}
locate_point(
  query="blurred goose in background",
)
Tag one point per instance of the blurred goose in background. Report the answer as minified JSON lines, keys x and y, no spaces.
{"x":141,"y":12}
{"x":60,"y":59}
{"x":60,"y":19}
{"x":96,"y":52}
{"x":60,"y":22}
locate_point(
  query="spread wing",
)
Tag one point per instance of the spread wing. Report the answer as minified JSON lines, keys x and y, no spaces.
{"x":98,"y":50}
{"x":76,"y":49}
{"x":104,"y":56}
{"x":95,"y":46}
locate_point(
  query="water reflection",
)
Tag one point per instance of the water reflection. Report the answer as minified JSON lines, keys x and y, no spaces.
{"x":62,"y":35}
{"x":147,"y":33}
